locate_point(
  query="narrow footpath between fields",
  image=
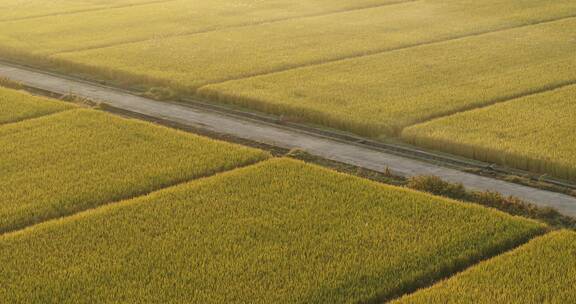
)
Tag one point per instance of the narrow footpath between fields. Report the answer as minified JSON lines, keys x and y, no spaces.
{"x":262,"y":132}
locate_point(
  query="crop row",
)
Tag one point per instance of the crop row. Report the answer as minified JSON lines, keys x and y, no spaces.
{"x":78,"y":159}
{"x":280,"y":231}
{"x":543,"y":271}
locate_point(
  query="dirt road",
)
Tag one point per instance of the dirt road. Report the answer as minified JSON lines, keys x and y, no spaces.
{"x":281,"y":136}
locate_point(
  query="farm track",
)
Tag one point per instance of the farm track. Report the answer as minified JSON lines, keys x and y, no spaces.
{"x":86,"y":10}
{"x":388,"y":50}
{"x":333,"y":146}
{"x":264,"y":22}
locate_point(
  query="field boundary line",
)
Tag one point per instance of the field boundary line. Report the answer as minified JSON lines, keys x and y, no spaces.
{"x":497,"y":252}
{"x":79,"y":11}
{"x":36,"y":117}
{"x":176,"y":183}
{"x":380,"y":52}
{"x":112,"y":204}
{"x":503,"y":99}
{"x":241,"y":25}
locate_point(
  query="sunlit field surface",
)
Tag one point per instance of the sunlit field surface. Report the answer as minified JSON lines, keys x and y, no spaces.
{"x":16,"y":106}
{"x":156,"y":21}
{"x":277,"y":232}
{"x":99,"y":208}
{"x":188,"y":61}
{"x":383,"y":93}
{"x":543,"y":271}
{"x":74,"y":160}
{"x":535,"y":133}
{"x":25,"y":9}
{"x":370,"y":67}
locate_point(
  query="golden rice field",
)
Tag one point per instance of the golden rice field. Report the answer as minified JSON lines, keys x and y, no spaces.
{"x":186,"y":62}
{"x":543,"y":271}
{"x":90,"y":29}
{"x":277,"y":232}
{"x":383,"y":93}
{"x":78,"y":159}
{"x":95,"y":208}
{"x":534,"y":133}
{"x":370,"y":67}
{"x":23,"y":9}
{"x":16,"y":106}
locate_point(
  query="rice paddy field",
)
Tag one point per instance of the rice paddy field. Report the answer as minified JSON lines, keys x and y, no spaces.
{"x":534,"y":133}
{"x":217,"y":9}
{"x":370,"y":67}
{"x":78,"y":159}
{"x":97,"y":208}
{"x":187,"y":62}
{"x":543,"y":271}
{"x":26,"y":9}
{"x":100,"y":28}
{"x":383,"y":93}
{"x":277,"y":232}
{"x":16,"y":106}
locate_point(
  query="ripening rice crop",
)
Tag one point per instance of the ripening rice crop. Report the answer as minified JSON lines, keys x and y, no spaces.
{"x":78,"y":159}
{"x":24,"y":9}
{"x":188,"y":61}
{"x":158,"y":20}
{"x":534,"y":133}
{"x":386,"y":92}
{"x":543,"y":271}
{"x":16,"y":106}
{"x":277,"y":232}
